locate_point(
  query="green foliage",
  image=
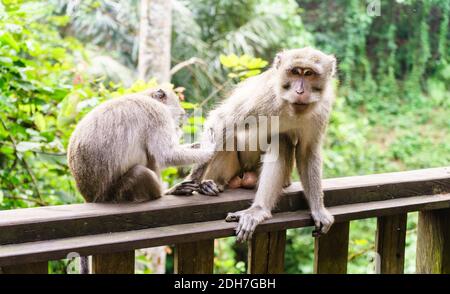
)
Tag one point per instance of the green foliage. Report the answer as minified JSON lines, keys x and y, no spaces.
{"x":242,"y":67}
{"x":35,"y":76}
{"x":391,"y":112}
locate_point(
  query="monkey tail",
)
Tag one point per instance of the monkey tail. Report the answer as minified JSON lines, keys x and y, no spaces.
{"x":139,"y":183}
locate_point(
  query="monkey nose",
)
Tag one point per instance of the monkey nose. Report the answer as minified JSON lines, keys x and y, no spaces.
{"x":299,"y":92}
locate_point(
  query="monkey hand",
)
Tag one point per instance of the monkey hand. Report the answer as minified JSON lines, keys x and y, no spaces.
{"x":185,"y":188}
{"x":247,"y":220}
{"x":322,"y":221}
{"x":209,"y":188}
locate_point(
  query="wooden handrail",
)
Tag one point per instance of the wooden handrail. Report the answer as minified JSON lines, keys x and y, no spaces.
{"x":54,"y":222}
{"x":39,"y":234}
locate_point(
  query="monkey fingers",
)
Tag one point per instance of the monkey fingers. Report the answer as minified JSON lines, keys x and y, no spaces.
{"x":185,"y":188}
{"x":209,"y":188}
{"x":233,"y":216}
{"x":248,"y":220}
{"x":246,"y":226}
{"x":322,"y":222}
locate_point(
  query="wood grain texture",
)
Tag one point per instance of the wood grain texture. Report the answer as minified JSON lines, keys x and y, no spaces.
{"x":123,"y":241}
{"x":266,"y":253}
{"x":27,"y":268}
{"x":433,"y":242}
{"x":113,"y":263}
{"x":194,"y":257}
{"x":331,"y":250}
{"x":390,"y":243}
{"x":54,"y":222}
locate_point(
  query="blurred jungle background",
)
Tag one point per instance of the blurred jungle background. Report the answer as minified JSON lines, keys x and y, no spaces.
{"x":60,"y":58}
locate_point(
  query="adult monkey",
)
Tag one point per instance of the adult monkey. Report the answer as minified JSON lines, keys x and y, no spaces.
{"x":298,"y":89}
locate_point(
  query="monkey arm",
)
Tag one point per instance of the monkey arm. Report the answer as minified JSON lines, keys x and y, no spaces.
{"x":309,"y":165}
{"x":184,"y":156}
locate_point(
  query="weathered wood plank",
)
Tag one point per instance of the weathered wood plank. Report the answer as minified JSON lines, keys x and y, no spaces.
{"x":45,"y":223}
{"x":433,"y":242}
{"x":123,"y":241}
{"x":113,"y":263}
{"x":194,"y":257}
{"x":28,"y":268}
{"x":331,"y":250}
{"x":390,"y":243}
{"x":266,"y":253}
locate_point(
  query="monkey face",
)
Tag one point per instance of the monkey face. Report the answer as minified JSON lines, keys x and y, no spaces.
{"x":170,"y":99}
{"x":302,"y":75}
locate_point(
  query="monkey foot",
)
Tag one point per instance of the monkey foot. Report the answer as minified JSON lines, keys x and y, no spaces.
{"x":185,"y":188}
{"x":322,"y":222}
{"x":209,"y":188}
{"x":247,"y":220}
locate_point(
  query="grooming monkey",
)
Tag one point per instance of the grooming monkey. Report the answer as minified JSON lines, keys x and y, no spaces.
{"x":117,"y":150}
{"x":298,"y":89}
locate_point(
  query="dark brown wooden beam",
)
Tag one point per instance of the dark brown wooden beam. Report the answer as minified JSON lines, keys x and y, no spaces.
{"x":266,"y":253}
{"x":55,"y":222}
{"x":433,"y":242}
{"x":390,"y":243}
{"x":194,"y":257}
{"x":123,"y":241}
{"x":27,"y":268}
{"x":331,"y":250}
{"x":113,"y":263}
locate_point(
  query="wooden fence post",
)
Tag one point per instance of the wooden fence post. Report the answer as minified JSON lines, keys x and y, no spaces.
{"x":433,"y":242}
{"x":28,"y":268}
{"x":194,"y":257}
{"x":331,"y":250}
{"x":266,"y":253}
{"x":113,"y":263}
{"x":390,"y":244}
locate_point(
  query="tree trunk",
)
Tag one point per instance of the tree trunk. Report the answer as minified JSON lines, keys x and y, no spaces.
{"x":155,"y":31}
{"x":155,"y":39}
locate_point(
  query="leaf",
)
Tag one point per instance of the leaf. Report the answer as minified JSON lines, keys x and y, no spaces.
{"x":5,"y":60}
{"x":190,"y":129}
{"x":188,"y":105}
{"x":39,"y":121}
{"x":229,"y":61}
{"x":196,"y":120}
{"x":28,"y":146}
{"x":361,"y":242}
{"x":1,"y":196}
{"x":8,"y":39}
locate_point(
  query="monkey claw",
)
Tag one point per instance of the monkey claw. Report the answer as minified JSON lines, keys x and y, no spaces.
{"x":247,"y":220}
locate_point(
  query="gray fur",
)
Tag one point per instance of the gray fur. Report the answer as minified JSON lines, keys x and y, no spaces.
{"x":117,"y":150}
{"x":301,"y":131}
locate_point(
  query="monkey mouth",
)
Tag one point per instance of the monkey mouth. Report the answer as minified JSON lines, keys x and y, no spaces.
{"x":300,"y":104}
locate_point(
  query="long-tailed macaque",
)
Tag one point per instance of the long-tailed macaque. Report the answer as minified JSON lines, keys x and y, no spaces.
{"x":298,"y":90}
{"x":118,"y":149}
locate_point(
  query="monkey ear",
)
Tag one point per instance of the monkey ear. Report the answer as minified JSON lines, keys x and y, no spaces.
{"x":159,"y":95}
{"x":277,"y":60}
{"x":332,"y":65}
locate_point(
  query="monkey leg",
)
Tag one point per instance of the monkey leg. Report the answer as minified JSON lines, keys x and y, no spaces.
{"x":270,"y":186}
{"x":221,"y":169}
{"x":138,"y":184}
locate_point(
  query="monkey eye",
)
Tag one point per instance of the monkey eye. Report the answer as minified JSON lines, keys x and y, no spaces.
{"x":160,"y":94}
{"x":295,"y":71}
{"x":308,"y":72}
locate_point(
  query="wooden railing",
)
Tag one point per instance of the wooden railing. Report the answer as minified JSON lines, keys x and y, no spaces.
{"x":29,"y":238}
